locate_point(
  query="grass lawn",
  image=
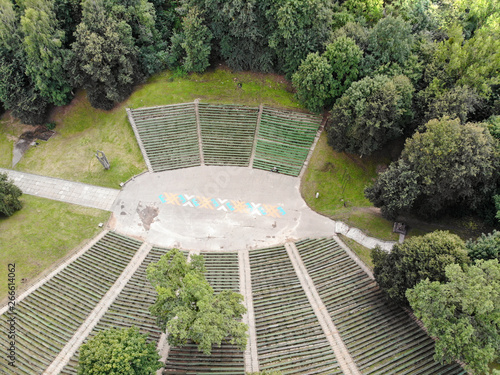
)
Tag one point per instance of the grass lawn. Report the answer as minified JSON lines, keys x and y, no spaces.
{"x":41,"y":233}
{"x":362,"y":252}
{"x":81,"y":129}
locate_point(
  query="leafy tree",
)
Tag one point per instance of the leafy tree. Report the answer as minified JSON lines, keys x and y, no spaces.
{"x":118,"y":351}
{"x":344,"y":57}
{"x":460,"y":101}
{"x":17,"y":91}
{"x":104,"y":58}
{"x":9,"y":196}
{"x":390,"y":42}
{"x":462,"y":313}
{"x":313,"y":82}
{"x":485,"y":247}
{"x":454,"y":165}
{"x":299,"y":27}
{"x":372,"y":10}
{"x":370,"y":113}
{"x":395,"y":190}
{"x":416,"y":259}
{"x":196,"y":42}
{"x":188,"y":308}
{"x":45,"y":55}
{"x":354,"y":31}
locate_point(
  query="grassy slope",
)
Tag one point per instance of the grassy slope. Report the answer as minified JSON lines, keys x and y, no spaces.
{"x":42,"y":233}
{"x":81,"y":129}
{"x":362,"y":252}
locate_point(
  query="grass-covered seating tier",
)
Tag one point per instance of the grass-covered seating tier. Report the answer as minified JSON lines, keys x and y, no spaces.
{"x":169,"y":135}
{"x":379,"y":335}
{"x":227,"y":133}
{"x":48,"y":318}
{"x":289,"y":336}
{"x":222,"y":271}
{"x":131,"y":308}
{"x":284,"y":139}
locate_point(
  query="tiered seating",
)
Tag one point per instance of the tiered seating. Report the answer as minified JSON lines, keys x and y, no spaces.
{"x":131,"y":308}
{"x":170,"y":135}
{"x":49,"y":317}
{"x":222,"y":271}
{"x":227,"y":133}
{"x":380,"y":336}
{"x":284,"y":139}
{"x":289,"y":336}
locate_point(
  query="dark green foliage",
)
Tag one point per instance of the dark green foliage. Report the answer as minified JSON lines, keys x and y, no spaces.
{"x":463,"y":314}
{"x":9,"y":196}
{"x":356,"y":32}
{"x":118,"y":351}
{"x":299,"y":27}
{"x":196,"y":39}
{"x":485,"y":247}
{"x":454,"y":165}
{"x":395,"y":190}
{"x":104,"y":57}
{"x":313,"y":82}
{"x":390,"y":43}
{"x":370,"y":113}
{"x":45,"y":55}
{"x":416,"y":259}
{"x":188,"y":308}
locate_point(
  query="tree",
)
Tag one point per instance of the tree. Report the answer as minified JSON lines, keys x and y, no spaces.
{"x":313,"y":82}
{"x":297,"y":28}
{"x":485,"y":247}
{"x":462,"y":313}
{"x":344,"y":57}
{"x":118,"y":351}
{"x":196,"y":42}
{"x":455,"y":167}
{"x":416,"y":259}
{"x":45,"y":55}
{"x":17,"y":91}
{"x":188,"y":308}
{"x":372,"y":10}
{"x":390,"y":42}
{"x":9,"y":196}
{"x":104,"y":58}
{"x":371,"y":112}
{"x":395,"y":190}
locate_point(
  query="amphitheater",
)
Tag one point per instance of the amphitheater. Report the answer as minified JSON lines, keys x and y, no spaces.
{"x":222,"y":181}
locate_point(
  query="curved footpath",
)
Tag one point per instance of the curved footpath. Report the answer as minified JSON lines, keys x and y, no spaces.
{"x":201,"y":208}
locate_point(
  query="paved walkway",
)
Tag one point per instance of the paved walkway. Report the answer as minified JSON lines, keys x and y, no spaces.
{"x":88,"y":325}
{"x":63,"y":190}
{"x":343,"y":356}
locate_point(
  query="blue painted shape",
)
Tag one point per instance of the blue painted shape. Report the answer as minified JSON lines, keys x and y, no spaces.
{"x":249,"y":205}
{"x":162,"y":199}
{"x":181,"y":197}
{"x":195,"y":202}
{"x":281,"y":210}
{"x":230,"y":206}
{"x":216,"y":204}
{"x":262,"y":211}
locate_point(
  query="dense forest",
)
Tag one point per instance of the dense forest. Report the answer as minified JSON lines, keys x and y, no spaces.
{"x":427,"y":70}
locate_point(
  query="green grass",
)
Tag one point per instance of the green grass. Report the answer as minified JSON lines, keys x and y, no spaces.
{"x":81,"y":129}
{"x":41,"y":233}
{"x":362,"y":252}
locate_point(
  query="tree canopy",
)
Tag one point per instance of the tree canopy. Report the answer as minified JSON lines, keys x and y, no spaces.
{"x":9,"y":196}
{"x":188,"y":307}
{"x":371,"y":112}
{"x":452,"y":165}
{"x":462,"y":313}
{"x":417,"y":258}
{"x":118,"y":351}
{"x":486,"y":247}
